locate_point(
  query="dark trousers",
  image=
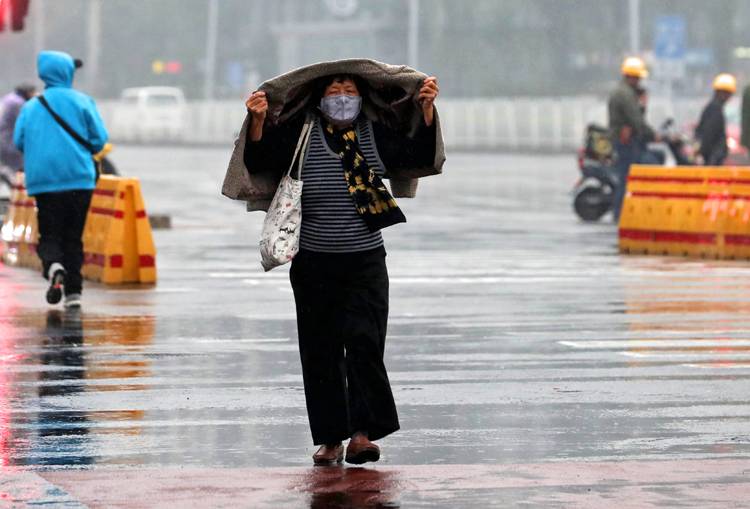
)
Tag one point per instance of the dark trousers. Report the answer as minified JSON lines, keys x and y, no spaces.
{"x":61,"y":218}
{"x":714,"y":156}
{"x":342,"y":315}
{"x":627,"y":154}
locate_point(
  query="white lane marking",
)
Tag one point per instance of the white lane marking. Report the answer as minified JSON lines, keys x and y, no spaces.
{"x":422,"y":336}
{"x":650,"y":343}
{"x":675,"y":349}
{"x":428,"y":280}
{"x":175,"y":290}
{"x":722,"y":365}
{"x":241,"y":274}
{"x":694,"y":355}
{"x":155,"y":289}
{"x":441,"y":280}
{"x":467,"y":273}
{"x":260,"y":340}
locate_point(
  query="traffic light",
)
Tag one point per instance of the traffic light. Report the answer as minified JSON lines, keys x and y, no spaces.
{"x":16,"y":11}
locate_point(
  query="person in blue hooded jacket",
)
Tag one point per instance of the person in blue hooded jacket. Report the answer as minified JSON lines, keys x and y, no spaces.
{"x":60,"y":172}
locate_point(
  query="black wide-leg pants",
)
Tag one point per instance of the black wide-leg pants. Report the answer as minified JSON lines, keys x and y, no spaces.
{"x":61,"y":218}
{"x":342,"y":316}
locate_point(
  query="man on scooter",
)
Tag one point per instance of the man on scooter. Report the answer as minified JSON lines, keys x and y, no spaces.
{"x":628,"y":128}
{"x":711,"y":131}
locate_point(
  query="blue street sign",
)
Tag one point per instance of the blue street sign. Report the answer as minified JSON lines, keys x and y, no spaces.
{"x":670,"y":38}
{"x":235,"y":75}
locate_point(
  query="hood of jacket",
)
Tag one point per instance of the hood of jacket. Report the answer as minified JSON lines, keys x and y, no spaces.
{"x":56,"y":69}
{"x":391,"y":99}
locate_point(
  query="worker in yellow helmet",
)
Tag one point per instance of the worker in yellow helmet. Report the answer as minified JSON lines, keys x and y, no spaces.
{"x":711,"y":132}
{"x":628,"y":127}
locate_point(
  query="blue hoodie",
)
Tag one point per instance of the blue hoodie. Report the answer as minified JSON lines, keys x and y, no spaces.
{"x":53,"y":160}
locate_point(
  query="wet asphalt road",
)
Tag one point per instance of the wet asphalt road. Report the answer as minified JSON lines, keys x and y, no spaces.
{"x":520,"y":343}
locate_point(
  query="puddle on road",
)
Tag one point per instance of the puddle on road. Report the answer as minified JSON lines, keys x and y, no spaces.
{"x":682,"y":312}
{"x":47,"y":359}
{"x":346,"y":487}
{"x":707,"y":343}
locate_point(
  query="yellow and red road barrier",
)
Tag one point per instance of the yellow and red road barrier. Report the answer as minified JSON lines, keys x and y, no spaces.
{"x":687,"y":211}
{"x":19,"y":233}
{"x":117,"y":240}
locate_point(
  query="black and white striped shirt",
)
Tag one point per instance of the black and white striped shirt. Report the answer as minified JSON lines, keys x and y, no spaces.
{"x":330,"y":222}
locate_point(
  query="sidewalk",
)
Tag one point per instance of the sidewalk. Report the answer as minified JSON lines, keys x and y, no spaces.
{"x":625,"y":485}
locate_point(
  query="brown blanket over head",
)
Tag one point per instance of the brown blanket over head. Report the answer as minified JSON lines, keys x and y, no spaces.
{"x":392,"y":101}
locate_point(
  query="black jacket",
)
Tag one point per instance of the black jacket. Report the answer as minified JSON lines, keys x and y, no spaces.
{"x":275,"y":149}
{"x":711,"y":132}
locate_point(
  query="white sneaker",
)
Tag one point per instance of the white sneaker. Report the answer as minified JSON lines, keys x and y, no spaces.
{"x":73,"y":301}
{"x":56,"y":277}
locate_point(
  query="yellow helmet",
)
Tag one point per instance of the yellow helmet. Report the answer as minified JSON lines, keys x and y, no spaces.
{"x":635,"y":67}
{"x":726,"y":83}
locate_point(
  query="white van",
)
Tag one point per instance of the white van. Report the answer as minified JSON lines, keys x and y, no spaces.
{"x":150,"y":114}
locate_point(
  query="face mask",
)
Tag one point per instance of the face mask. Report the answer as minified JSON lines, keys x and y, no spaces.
{"x":341,"y":109}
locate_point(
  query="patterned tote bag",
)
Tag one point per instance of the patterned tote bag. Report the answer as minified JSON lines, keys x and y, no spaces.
{"x":279,"y":239}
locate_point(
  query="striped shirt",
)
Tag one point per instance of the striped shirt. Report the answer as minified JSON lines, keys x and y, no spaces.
{"x":330,"y":222}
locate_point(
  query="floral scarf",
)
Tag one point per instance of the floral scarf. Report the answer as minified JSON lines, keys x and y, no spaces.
{"x":371,"y":198}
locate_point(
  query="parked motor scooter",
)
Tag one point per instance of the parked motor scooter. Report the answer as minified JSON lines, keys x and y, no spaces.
{"x":593,"y":194}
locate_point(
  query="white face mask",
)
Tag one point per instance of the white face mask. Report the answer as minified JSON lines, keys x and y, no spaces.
{"x":341,"y":109}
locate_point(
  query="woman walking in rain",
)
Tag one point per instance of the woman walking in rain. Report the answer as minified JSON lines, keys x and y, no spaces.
{"x":368,"y":121}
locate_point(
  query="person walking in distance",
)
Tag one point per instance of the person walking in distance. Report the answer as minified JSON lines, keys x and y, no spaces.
{"x":58,"y":132}
{"x":11,"y":159}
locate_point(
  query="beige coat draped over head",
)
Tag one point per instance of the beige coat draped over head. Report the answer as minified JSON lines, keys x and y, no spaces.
{"x":392,"y":100}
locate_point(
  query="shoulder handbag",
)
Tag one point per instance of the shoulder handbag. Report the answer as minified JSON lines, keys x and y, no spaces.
{"x":66,"y":127}
{"x":279,"y":239}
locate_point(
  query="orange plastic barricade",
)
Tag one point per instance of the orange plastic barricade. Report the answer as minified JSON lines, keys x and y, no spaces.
{"x":10,"y":225}
{"x":117,"y":239}
{"x":19,"y":230}
{"x":687,"y":211}
{"x":30,"y":240}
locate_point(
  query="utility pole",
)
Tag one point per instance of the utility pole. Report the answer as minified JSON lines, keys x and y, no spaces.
{"x":94,"y":46}
{"x":635,"y":27}
{"x":413,"y":44}
{"x":38,"y":14}
{"x":211,"y":37}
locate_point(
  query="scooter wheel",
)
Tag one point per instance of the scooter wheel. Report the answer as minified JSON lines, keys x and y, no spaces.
{"x":591,"y":204}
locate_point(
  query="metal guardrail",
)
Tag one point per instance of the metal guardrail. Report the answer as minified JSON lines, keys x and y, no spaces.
{"x":555,"y":123}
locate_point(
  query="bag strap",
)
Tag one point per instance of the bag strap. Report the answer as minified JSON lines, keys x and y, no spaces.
{"x":65,"y":126}
{"x":304,"y":138}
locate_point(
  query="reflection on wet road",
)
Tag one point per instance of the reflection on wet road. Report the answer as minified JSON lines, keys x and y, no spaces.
{"x":56,"y":360}
{"x":517,"y":337}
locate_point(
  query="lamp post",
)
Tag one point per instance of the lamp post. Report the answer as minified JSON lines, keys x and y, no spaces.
{"x":93,"y":46}
{"x":413,"y":43}
{"x":211,"y":36}
{"x":38,"y":17}
{"x":635,"y":26}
